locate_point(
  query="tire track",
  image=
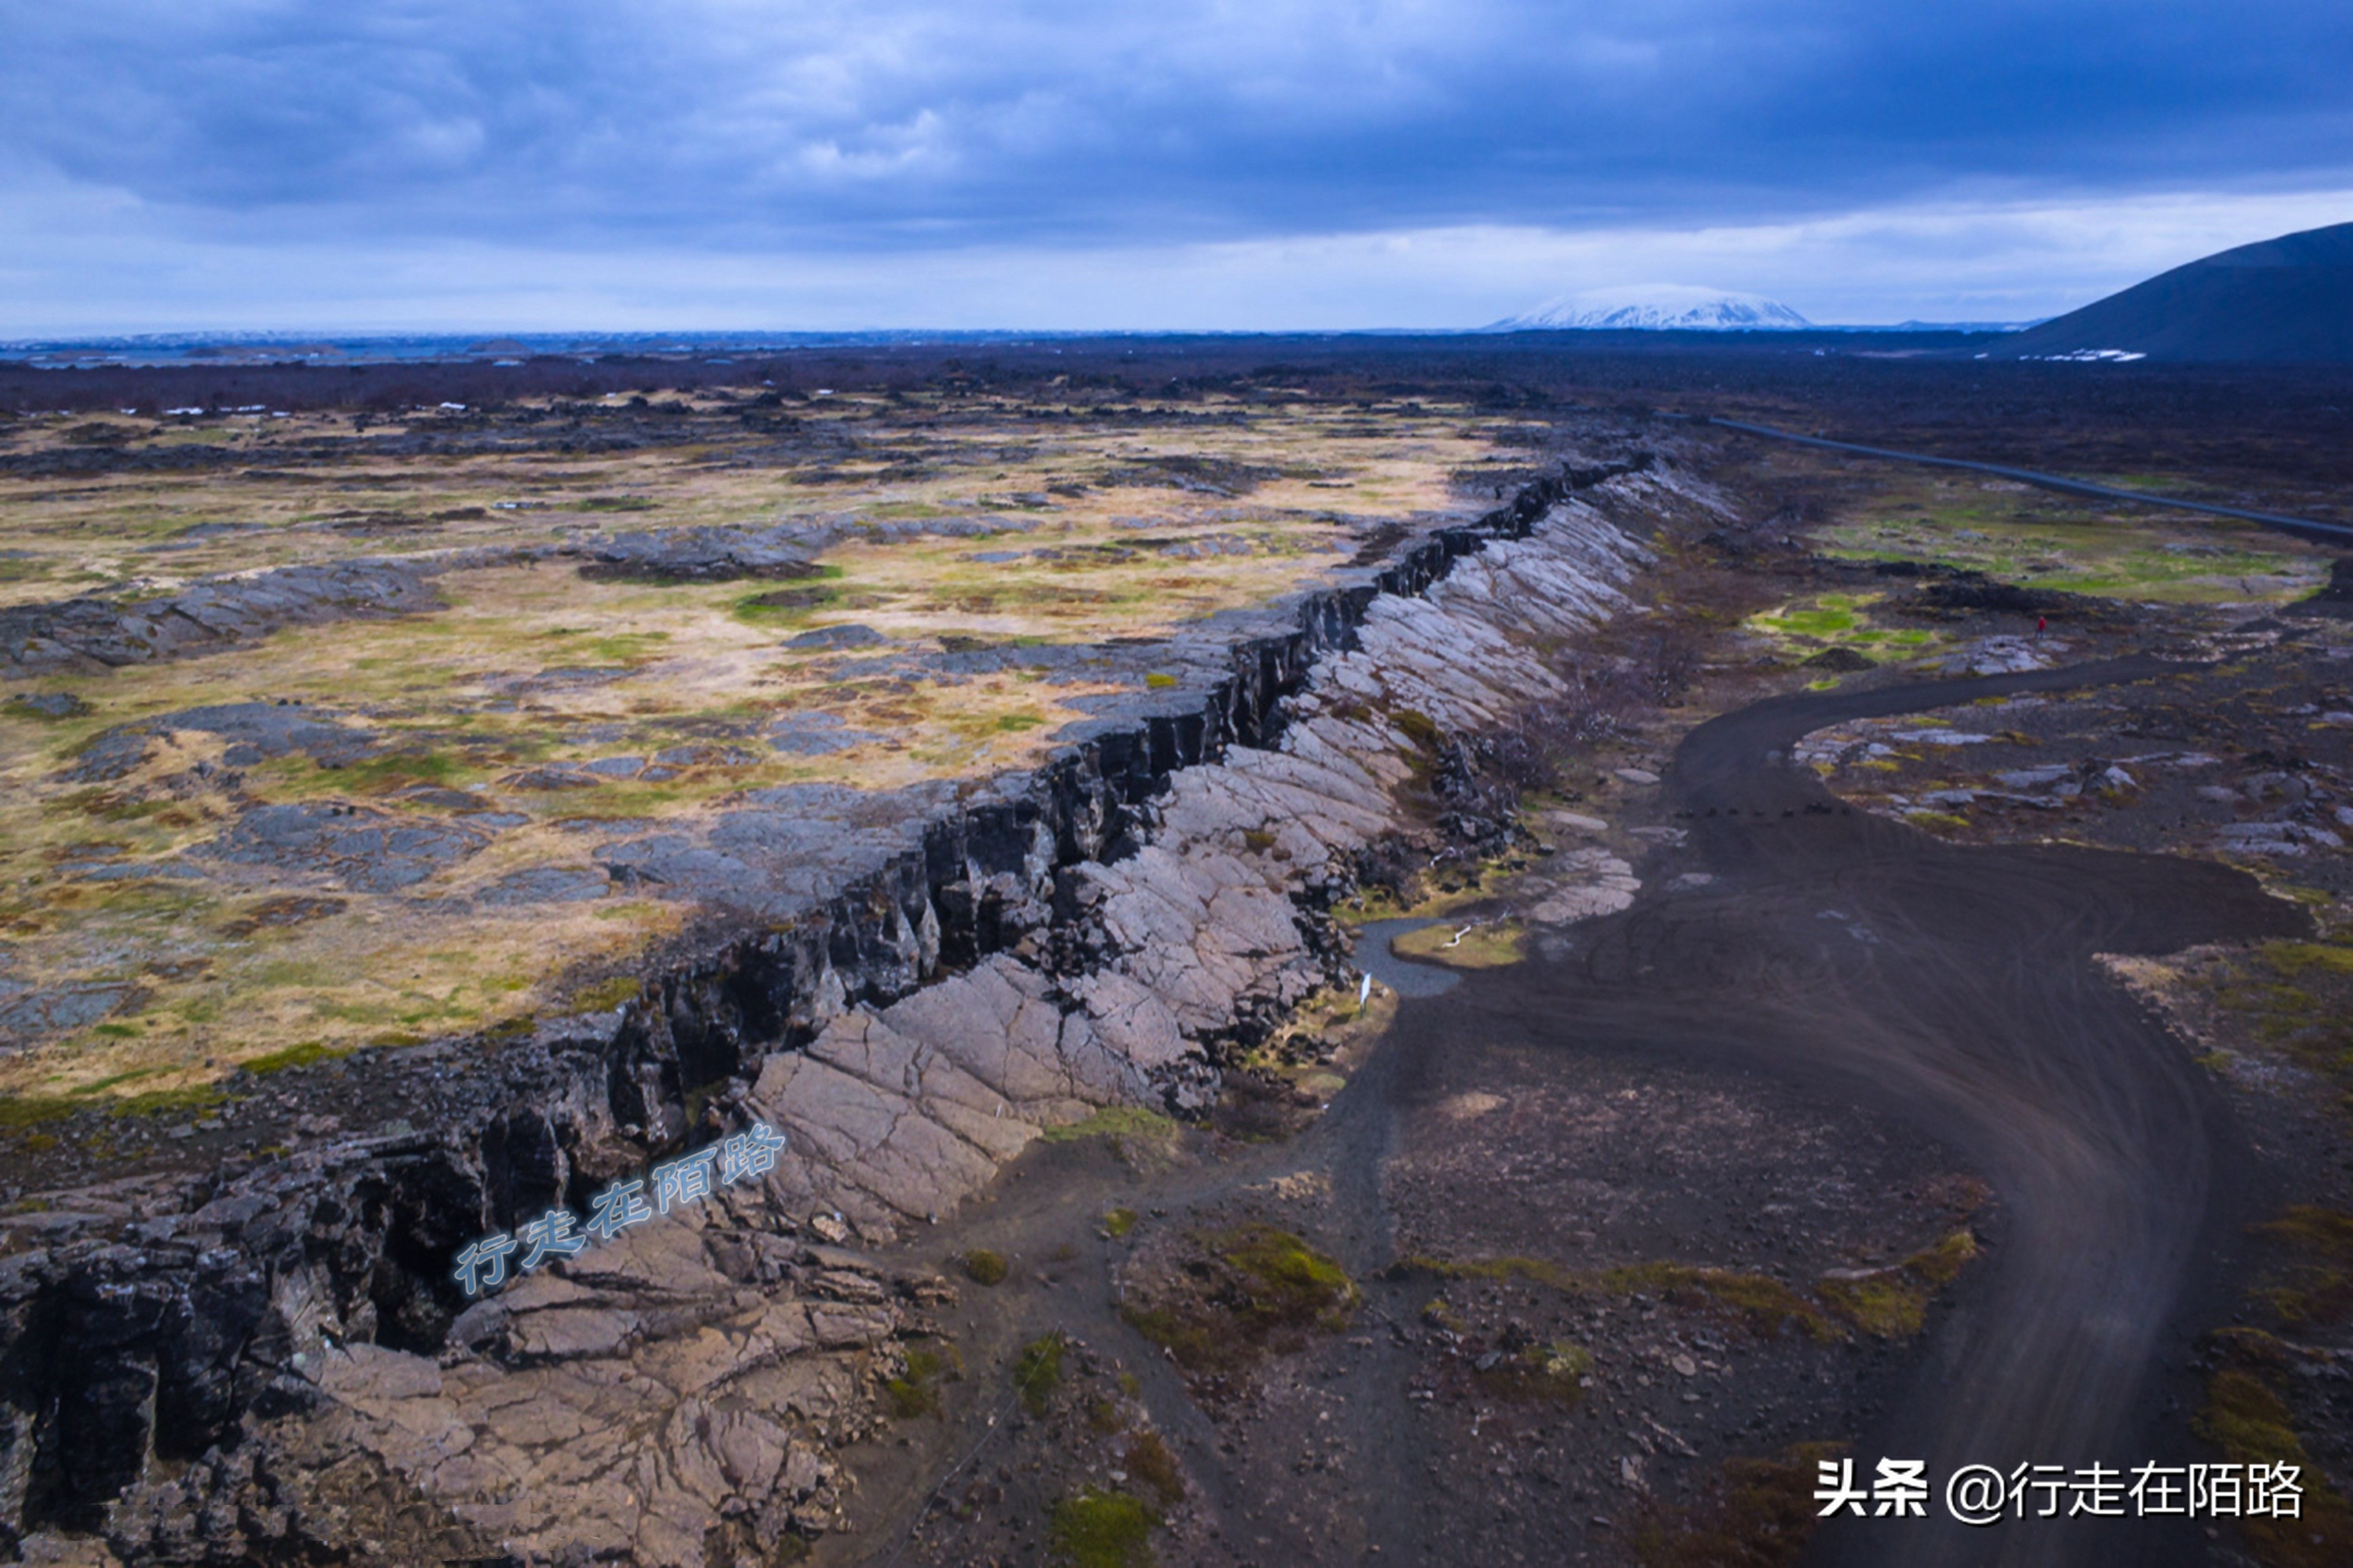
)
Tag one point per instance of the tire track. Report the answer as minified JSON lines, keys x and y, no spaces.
{"x":1955,"y":988}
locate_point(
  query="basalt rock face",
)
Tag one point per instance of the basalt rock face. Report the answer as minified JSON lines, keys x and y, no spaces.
{"x":274,"y":1364}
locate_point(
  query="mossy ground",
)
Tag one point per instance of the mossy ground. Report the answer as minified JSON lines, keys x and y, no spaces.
{"x":1103,"y":1530}
{"x":333,"y":497}
{"x":985,"y":1268}
{"x":1485,"y":945}
{"x":2050,"y":542}
{"x":2292,"y":1001}
{"x":2271,"y":1005}
{"x":1553,"y":1371}
{"x":2246,"y":1417}
{"x":1038,"y":1372}
{"x":1759,"y":1512}
{"x":1135,"y":1123}
{"x":1893,"y":1303}
{"x":1887,"y":1303}
{"x":1801,"y":628}
{"x":462,"y":698}
{"x":1232,"y":1296}
{"x":915,"y":1389}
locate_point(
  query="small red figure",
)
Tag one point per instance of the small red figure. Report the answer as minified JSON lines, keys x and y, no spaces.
{"x":2039,"y":623}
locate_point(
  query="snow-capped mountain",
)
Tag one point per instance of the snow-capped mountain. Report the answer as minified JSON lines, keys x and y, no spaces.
{"x":1659,"y":307}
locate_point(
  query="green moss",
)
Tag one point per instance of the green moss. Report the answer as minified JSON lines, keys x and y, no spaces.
{"x":102,"y":1085}
{"x":1417,"y":727}
{"x":1103,"y":1530}
{"x":1119,"y":1222}
{"x":1299,"y":1281}
{"x":377,"y":776}
{"x":1893,"y":1303}
{"x":22,"y":1110}
{"x":1492,"y":945}
{"x":1244,"y":1292}
{"x":1554,"y":1373}
{"x":301,"y":1055}
{"x":607,"y":994}
{"x":1942,"y":1263}
{"x":1159,"y":682}
{"x":786,"y":606}
{"x":1764,"y":1304}
{"x":982,"y":1267}
{"x":2247,"y":1421}
{"x":1038,"y":1372}
{"x":2245,"y":1416}
{"x":1116,"y":1120}
{"x":1815,"y":622}
{"x":2298,"y":959}
{"x":2318,"y":1286}
{"x":1759,"y":1512}
{"x":1882,"y":1305}
{"x":170,"y":1101}
{"x":1147,"y":1459}
{"x":916,"y":1391}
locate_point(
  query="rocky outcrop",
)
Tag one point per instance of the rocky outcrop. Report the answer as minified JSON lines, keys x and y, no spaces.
{"x":700,"y":555}
{"x":36,"y":640}
{"x":183,"y":1364}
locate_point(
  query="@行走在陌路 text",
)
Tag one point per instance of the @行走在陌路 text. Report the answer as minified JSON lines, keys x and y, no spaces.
{"x":1987,"y":1494}
{"x":483,"y":1263}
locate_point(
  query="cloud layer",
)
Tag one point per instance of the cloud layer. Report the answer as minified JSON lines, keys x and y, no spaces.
{"x":624,"y":143}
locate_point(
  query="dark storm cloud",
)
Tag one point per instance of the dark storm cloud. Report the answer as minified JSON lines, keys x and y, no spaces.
{"x":891,"y":124}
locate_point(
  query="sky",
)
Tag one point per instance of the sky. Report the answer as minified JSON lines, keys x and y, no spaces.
{"x":1216,"y":164}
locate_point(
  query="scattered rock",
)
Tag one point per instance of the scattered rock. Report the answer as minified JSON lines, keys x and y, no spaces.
{"x":834,"y":639}
{"x":48,"y":704}
{"x":700,"y":555}
{"x":29,"y":1013}
{"x":361,"y":847}
{"x":815,"y":735}
{"x":95,"y":632}
{"x":545,"y":885}
{"x":254,"y":732}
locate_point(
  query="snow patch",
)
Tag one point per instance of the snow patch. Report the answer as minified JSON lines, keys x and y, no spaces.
{"x":1659,"y":307}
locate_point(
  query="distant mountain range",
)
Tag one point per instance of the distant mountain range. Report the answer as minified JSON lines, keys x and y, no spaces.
{"x":1658,"y":307}
{"x":2284,"y":300}
{"x":1946,"y":327}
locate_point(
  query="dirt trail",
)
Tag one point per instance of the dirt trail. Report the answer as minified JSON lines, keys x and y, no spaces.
{"x":1954,"y":987}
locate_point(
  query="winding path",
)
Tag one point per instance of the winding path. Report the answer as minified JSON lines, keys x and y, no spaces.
{"x":1955,"y":988}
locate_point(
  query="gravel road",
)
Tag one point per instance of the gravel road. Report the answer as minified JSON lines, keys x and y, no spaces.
{"x":1955,"y":987}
